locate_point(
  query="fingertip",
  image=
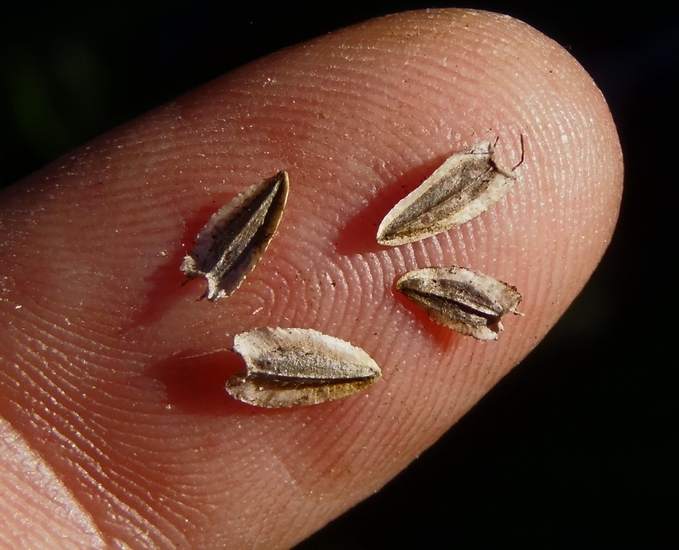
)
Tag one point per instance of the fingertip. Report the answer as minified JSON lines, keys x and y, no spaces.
{"x":358,"y":118}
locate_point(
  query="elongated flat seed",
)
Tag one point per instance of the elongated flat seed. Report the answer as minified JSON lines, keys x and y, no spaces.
{"x":294,"y":366}
{"x":466,"y":301}
{"x":463,"y":187}
{"x":234,"y":239}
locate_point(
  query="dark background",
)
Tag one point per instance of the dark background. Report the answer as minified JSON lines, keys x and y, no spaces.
{"x":578,"y":446}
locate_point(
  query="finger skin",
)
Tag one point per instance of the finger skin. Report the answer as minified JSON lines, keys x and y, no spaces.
{"x":110,"y":370}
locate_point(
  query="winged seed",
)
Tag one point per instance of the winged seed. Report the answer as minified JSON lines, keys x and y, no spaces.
{"x":295,"y":366}
{"x":234,"y":239}
{"x":466,"y":301}
{"x":463,"y":187}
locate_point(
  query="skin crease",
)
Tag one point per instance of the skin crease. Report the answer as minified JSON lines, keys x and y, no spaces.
{"x":117,"y":430}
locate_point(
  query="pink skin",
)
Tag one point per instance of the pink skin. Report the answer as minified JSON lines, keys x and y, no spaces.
{"x":116,"y":425}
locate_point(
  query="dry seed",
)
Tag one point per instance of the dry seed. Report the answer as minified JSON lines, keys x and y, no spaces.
{"x":467,"y":301}
{"x":463,"y":187}
{"x":294,"y":366}
{"x":234,"y":239}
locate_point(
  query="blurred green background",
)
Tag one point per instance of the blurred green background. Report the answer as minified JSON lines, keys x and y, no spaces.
{"x":578,"y":446}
